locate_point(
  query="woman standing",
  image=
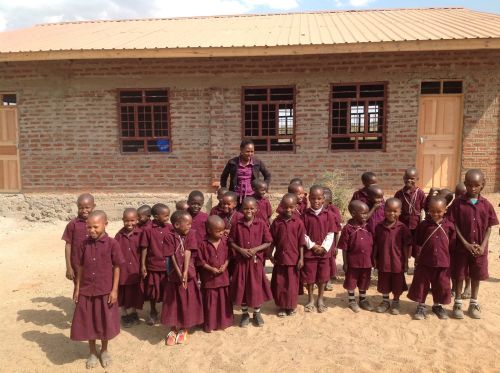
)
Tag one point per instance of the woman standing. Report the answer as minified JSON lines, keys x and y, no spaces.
{"x":242,"y":170}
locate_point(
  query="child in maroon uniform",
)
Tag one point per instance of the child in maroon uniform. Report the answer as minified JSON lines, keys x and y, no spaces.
{"x":434,"y":239}
{"x":367,"y":178}
{"x":153,"y":258}
{"x":249,"y":238}
{"x":376,"y":207}
{"x":75,"y":233}
{"x":473,"y":216}
{"x":182,"y":304}
{"x":229,"y":213}
{"x":296,"y":188}
{"x":320,"y":226}
{"x":288,"y":234}
{"x":212,"y":261}
{"x":356,"y":243}
{"x":144,"y":217}
{"x":413,"y":200}
{"x":217,"y":209}
{"x":391,"y":248}
{"x":181,"y":206}
{"x":264,"y":209}
{"x":96,"y":290}
{"x":338,"y":222}
{"x":130,"y":293}
{"x":195,"y":202}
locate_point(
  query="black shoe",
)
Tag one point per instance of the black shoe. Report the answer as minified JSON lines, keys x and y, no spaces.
{"x":257,"y":319}
{"x":134,"y":318}
{"x":440,"y":312}
{"x":126,"y":321}
{"x":245,"y":320}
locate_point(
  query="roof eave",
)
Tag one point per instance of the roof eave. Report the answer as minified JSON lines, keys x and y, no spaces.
{"x":288,"y":50}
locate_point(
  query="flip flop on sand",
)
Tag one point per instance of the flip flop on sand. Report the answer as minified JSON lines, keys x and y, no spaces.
{"x":106,"y":359}
{"x":171,"y":337}
{"x":181,"y":337}
{"x":92,"y":362}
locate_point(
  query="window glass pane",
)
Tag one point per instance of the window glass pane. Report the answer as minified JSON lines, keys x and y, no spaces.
{"x":133,"y":146}
{"x":357,"y":118}
{"x":339,"y":143}
{"x":344,"y":91}
{"x":282,"y":144}
{"x":370,"y":143}
{"x":339,"y":118}
{"x":260,"y":145}
{"x":281,"y":94}
{"x":375,"y":116}
{"x":156,"y":96}
{"x":158,"y":145}
{"x":8,"y":100}
{"x":160,"y":121}
{"x":452,"y":87}
{"x":127,"y":121}
{"x":285,"y":119}
{"x":131,"y":96}
{"x":430,"y":88}
{"x":371,"y":90}
{"x":145,"y":122}
{"x":255,"y":94}
{"x":251,"y":123}
{"x":268,"y":120}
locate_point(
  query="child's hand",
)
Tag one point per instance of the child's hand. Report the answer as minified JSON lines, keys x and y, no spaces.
{"x":76,"y":295}
{"x":479,"y":250}
{"x":245,"y":253}
{"x":185,"y":280}
{"x":344,"y":267}
{"x":226,"y":232}
{"x":144,"y":272}
{"x":70,"y":274}
{"x":300,"y":264}
{"x":335,"y":252}
{"x":215,"y":271}
{"x":113,"y":297}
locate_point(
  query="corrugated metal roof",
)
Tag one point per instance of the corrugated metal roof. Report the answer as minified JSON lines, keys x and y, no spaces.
{"x":319,"y":29}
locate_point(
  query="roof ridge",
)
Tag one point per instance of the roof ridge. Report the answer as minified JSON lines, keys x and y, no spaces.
{"x":251,"y":15}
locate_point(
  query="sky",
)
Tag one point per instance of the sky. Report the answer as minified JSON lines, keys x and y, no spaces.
{"x":25,"y":13}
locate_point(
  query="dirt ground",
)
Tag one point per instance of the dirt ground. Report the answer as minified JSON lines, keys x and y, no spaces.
{"x":37,"y":311}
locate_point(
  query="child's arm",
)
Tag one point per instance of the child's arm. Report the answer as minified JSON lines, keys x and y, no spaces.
{"x":187,"y":259}
{"x":223,"y":267}
{"x":243,"y":252}
{"x":70,"y":274}
{"x":144,"y":271}
{"x":344,"y":258}
{"x":467,"y":245}
{"x":375,"y":254}
{"x":76,"y":291}
{"x":113,"y":296}
{"x":485,"y":241}
{"x":176,"y":267}
{"x":300,"y":264}
{"x":256,"y":249}
{"x":372,"y":210}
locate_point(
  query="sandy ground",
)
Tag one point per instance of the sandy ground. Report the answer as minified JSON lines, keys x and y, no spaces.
{"x":37,"y":311}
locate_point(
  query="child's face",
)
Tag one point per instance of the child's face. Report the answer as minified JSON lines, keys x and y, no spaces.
{"x":130,"y":221}
{"x":289,"y":206}
{"x":195,"y":204}
{"x":220,"y":194}
{"x":228,"y":204}
{"x":328,"y":199}
{"x":163,"y":216}
{"x":300,"y":193}
{"x":360,"y":214}
{"x":144,"y":217}
{"x":260,"y":191}
{"x":182,"y":206}
{"x":437,"y":209}
{"x":183,"y":225}
{"x":216,"y":231}
{"x":85,"y":207}
{"x":96,"y":226}
{"x":392,"y":212}
{"x":370,"y":181}
{"x":249,"y":209}
{"x":317,"y":199}
{"x":474,"y":185}
{"x":375,"y":198}
{"x":410,"y":178}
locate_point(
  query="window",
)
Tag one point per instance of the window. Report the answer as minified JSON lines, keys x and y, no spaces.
{"x":269,"y":118}
{"x":441,"y":87}
{"x":8,"y":99}
{"x":357,"y":113}
{"x":144,"y":121}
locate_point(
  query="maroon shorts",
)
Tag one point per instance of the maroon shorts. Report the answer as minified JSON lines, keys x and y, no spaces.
{"x":357,"y":278}
{"x":464,"y":265}
{"x":389,"y":282}
{"x":426,"y":277}
{"x":315,"y":271}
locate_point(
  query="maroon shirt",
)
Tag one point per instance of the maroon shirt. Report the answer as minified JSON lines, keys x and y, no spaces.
{"x":131,"y":251}
{"x":250,"y":236}
{"x":230,"y":219}
{"x":145,"y":226}
{"x":391,"y":243}
{"x":74,"y":234}
{"x":413,"y":202}
{"x":357,"y":242}
{"x":377,"y":217}
{"x":198,"y":224}
{"x":152,"y":238}
{"x":214,"y":257}
{"x":435,"y":242}
{"x":264,"y":210}
{"x":472,"y":220}
{"x":299,"y":210}
{"x":288,"y":238}
{"x":360,"y":195}
{"x":216,"y":210}
{"x":175,"y":245}
{"x":317,"y":227}
{"x":97,"y":260}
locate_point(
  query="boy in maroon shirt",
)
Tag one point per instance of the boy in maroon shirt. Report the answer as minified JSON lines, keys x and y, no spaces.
{"x":321,"y":227}
{"x":228,"y":212}
{"x":367,"y":178}
{"x":250,"y":238}
{"x":473,"y":216}
{"x":153,"y":258}
{"x":96,"y":313}
{"x":375,"y":204}
{"x":338,"y":223}
{"x":144,"y":217}
{"x":288,"y":234}
{"x":181,"y":205}
{"x":182,"y":305}
{"x":264,"y":209}
{"x":75,"y":233}
{"x":218,"y":208}
{"x":130,"y":292}
{"x":196,"y":201}
{"x":296,"y":188}
{"x":356,"y":243}
{"x":212,"y":262}
{"x":391,"y":247}
{"x":434,"y":239}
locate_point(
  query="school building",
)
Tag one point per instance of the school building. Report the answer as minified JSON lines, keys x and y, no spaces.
{"x":162,"y":104}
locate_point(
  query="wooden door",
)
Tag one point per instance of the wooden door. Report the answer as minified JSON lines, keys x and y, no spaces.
{"x":438,"y":142}
{"x":10,"y":180}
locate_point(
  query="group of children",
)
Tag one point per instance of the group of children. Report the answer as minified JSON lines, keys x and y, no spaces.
{"x":199,"y":265}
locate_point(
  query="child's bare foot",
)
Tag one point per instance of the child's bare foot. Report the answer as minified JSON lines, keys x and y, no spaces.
{"x":321,"y":306}
{"x":309,"y":307}
{"x":92,"y":361}
{"x":106,"y":359}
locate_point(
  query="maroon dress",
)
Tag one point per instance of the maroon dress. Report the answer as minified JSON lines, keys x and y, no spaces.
{"x":264,"y":210}
{"x":74,"y":234}
{"x":338,"y":224}
{"x":94,"y":318}
{"x":217,"y":305}
{"x":412,"y":203}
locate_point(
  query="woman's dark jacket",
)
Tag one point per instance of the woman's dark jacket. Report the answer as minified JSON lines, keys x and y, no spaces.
{"x":232,"y":168}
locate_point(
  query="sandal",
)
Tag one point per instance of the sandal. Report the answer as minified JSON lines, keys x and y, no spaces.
{"x":281,"y":313}
{"x":171,"y":338}
{"x":181,"y":337}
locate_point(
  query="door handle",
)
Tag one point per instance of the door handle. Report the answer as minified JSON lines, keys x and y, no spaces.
{"x":421,"y":139}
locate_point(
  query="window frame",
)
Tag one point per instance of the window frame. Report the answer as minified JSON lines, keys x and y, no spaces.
{"x":364,"y":134}
{"x":294,"y":103}
{"x":441,"y":87}
{"x":169,"y":123}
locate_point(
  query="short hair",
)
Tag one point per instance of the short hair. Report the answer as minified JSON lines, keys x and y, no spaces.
{"x":144,"y":209}
{"x":85,"y":197}
{"x":157,"y":208}
{"x":194,"y":194}
{"x":179,"y":215}
{"x":244,"y":143}
{"x":356,"y":204}
{"x":435,"y":199}
{"x":291,"y":196}
{"x":474,"y":172}
{"x":259,"y":182}
{"x":317,"y":187}
{"x":222,"y":190}
{"x":129,"y":210}
{"x":292,"y":188}
{"x":296,"y":180}
{"x":249,"y":200}
{"x":392,"y":200}
{"x":411,"y":170}
{"x":214,"y":220}
{"x":231,"y":195}
{"x":365,"y":176}
{"x":98,"y":214}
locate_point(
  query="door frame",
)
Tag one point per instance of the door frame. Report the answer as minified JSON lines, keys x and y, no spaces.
{"x":459,"y":136}
{"x":15,"y":108}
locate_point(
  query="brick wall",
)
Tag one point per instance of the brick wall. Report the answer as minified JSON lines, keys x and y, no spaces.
{"x":69,"y":130}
